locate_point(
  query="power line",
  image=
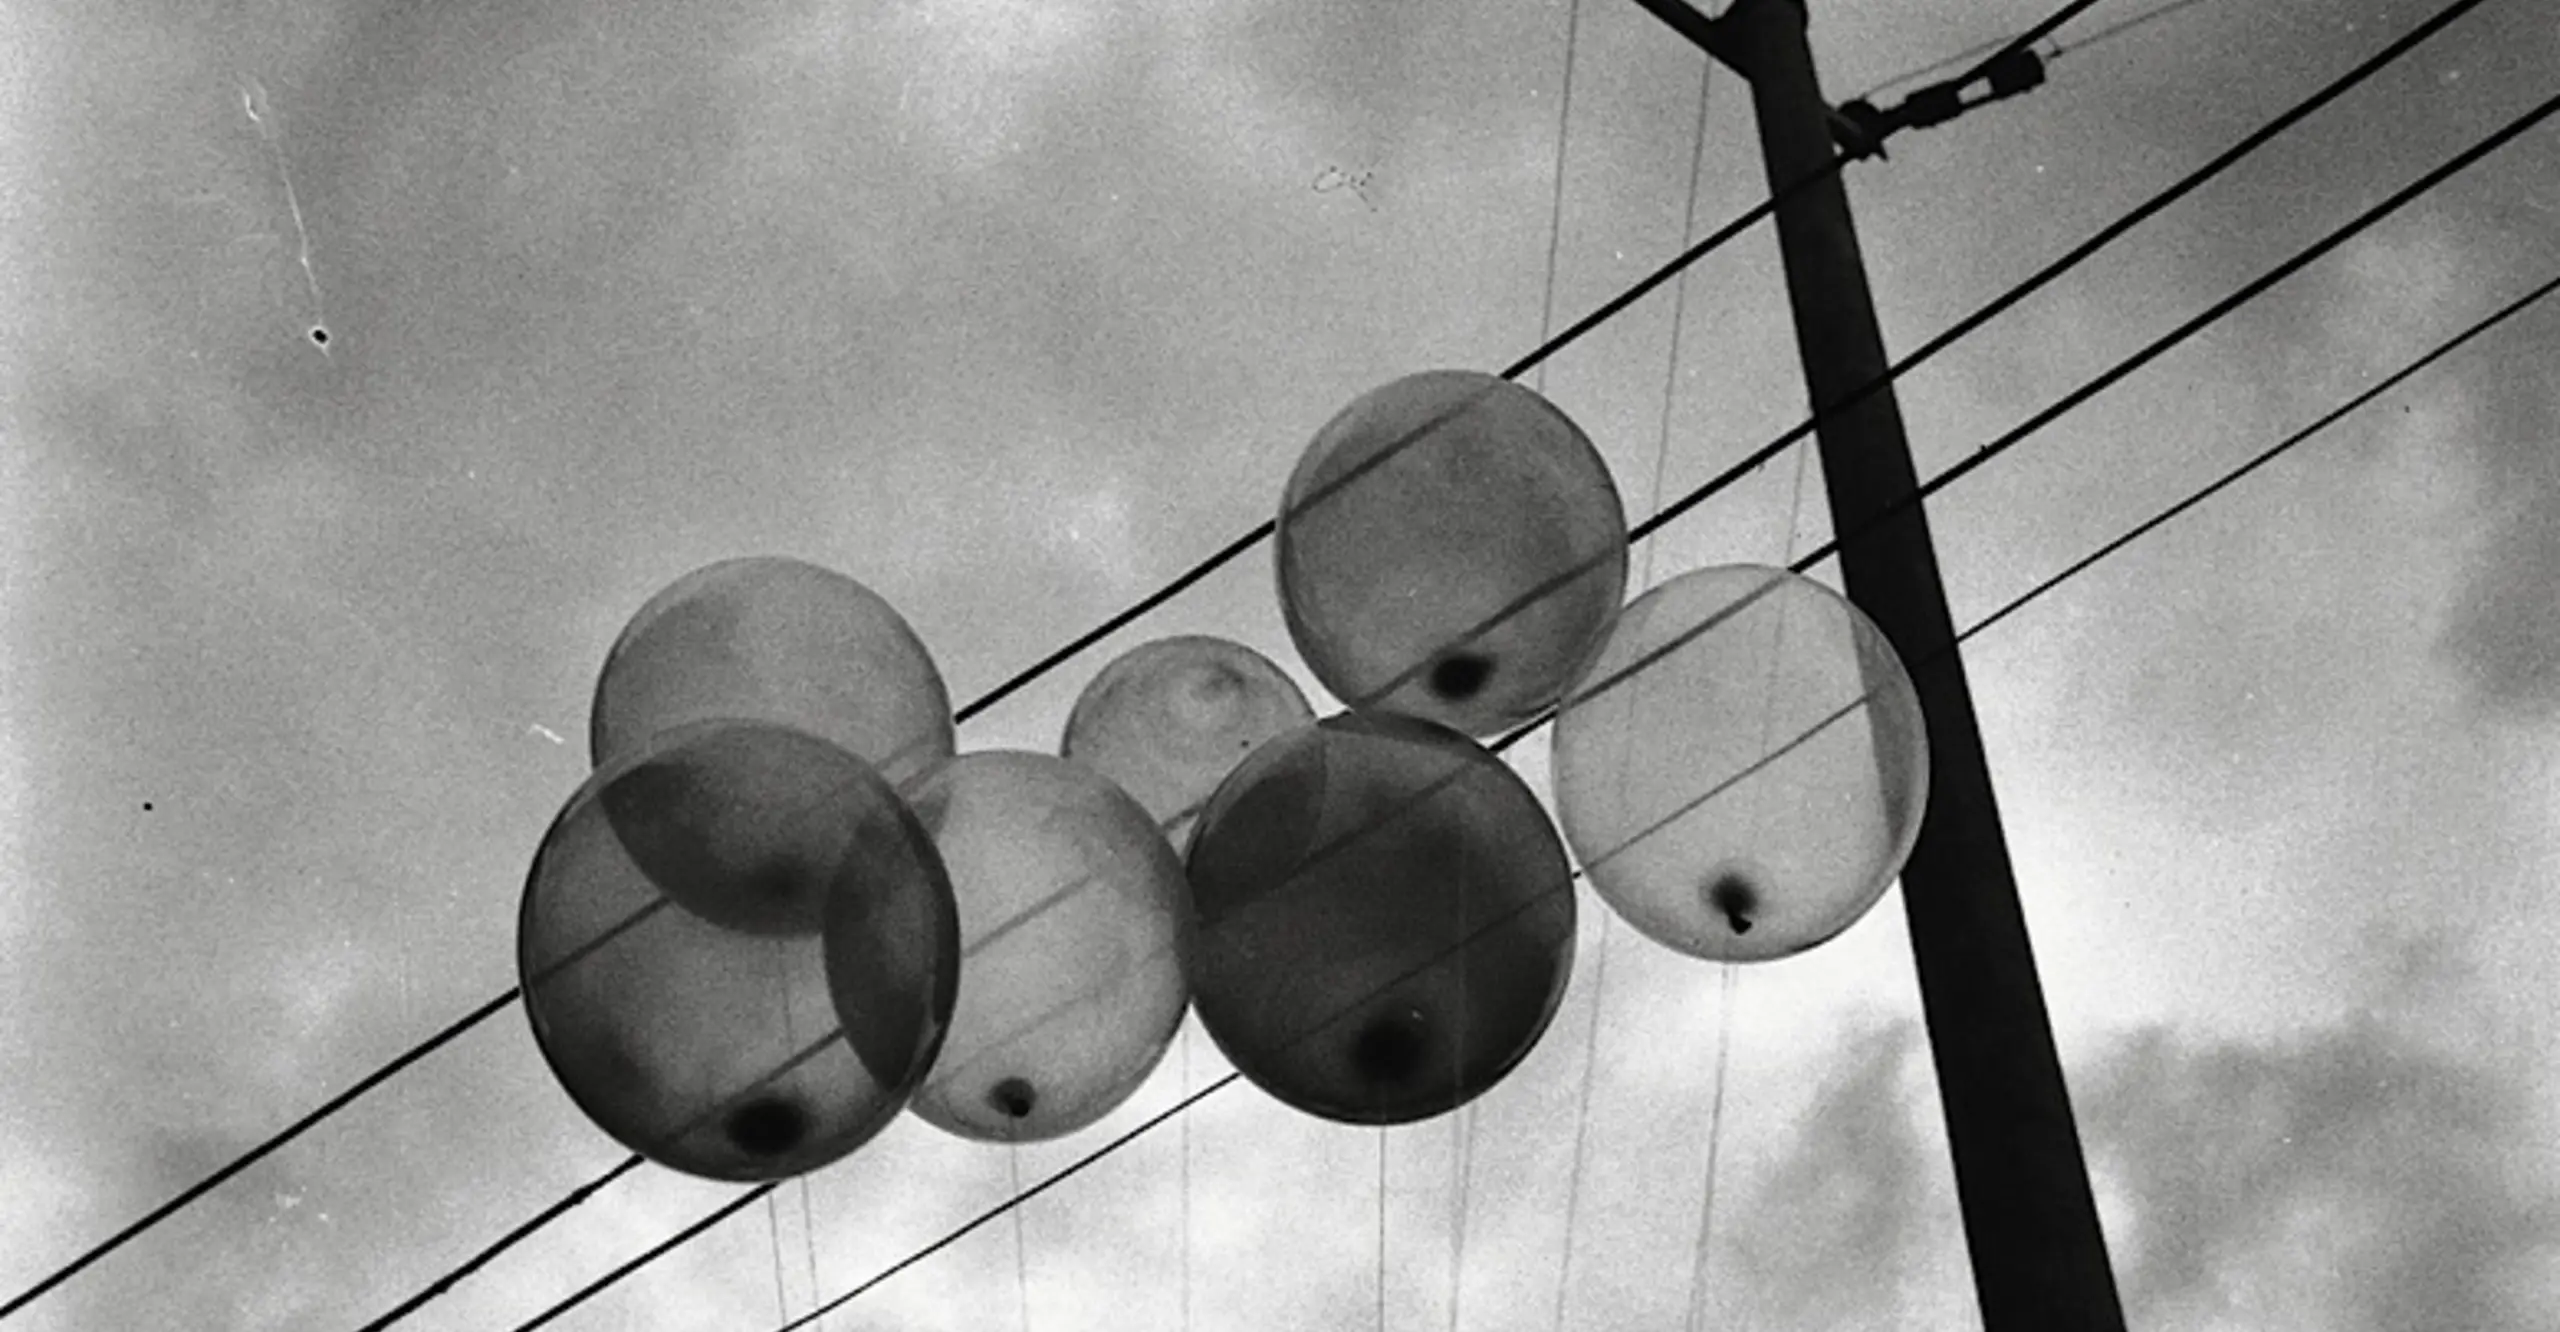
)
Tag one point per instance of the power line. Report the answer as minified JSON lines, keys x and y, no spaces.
{"x":2221,"y":308}
{"x":2023,"y":41}
{"x":1961,"y":328}
{"x":2056,"y":49}
{"x":1114,"y":624}
{"x":2103,"y":237}
{"x":2273,"y":451}
{"x":1228,"y":554}
{"x":539,"y":1219}
{"x":668,"y":1245}
{"x":1181,"y":583}
{"x":2015,"y":604}
{"x":2256,"y":287}
{"x":2115,"y":30}
{"x":256,"y":1154}
{"x":1919,"y":72}
{"x":1996,"y":50}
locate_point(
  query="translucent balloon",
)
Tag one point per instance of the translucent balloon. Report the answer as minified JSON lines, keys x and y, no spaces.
{"x":1073,"y":938}
{"x":776,"y":640}
{"x":1450,"y":547}
{"x":1386,"y":919}
{"x":723,"y":1054}
{"x":1743,"y":768}
{"x":1170,"y":719}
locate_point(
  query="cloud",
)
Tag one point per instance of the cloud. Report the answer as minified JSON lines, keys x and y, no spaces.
{"x":2346,"y":1179}
{"x":2353,"y":1177}
{"x":2504,"y":635}
{"x":1837,"y":1233}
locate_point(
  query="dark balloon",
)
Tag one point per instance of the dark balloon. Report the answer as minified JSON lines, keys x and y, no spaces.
{"x":1385,"y":919}
{"x":777,"y":640}
{"x":1450,"y":547}
{"x":1170,"y":719}
{"x":1743,"y":769}
{"x":714,"y":1051}
{"x":1074,"y":935}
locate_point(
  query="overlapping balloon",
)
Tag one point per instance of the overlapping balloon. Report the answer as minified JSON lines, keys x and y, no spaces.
{"x":783,"y":907}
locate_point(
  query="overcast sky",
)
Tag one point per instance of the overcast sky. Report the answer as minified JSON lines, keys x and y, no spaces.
{"x":1013,"y":309}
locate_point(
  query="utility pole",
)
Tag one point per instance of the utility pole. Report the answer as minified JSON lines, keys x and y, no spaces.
{"x":2031,"y":1223}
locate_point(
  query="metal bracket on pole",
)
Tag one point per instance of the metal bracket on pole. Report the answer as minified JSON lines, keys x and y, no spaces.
{"x":1859,"y":128}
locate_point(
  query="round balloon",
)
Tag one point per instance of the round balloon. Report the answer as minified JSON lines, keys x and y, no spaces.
{"x":1170,"y":719}
{"x":782,"y":641}
{"x":1743,"y":768}
{"x":1073,"y":940}
{"x":1385,"y":919}
{"x":1450,"y":547}
{"x":724,"y":1054}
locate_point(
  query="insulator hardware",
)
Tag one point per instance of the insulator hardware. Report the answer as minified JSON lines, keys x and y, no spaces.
{"x":1859,"y":128}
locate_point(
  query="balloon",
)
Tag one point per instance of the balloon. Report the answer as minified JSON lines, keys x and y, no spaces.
{"x":1073,"y":937}
{"x":737,"y":828}
{"x":1385,"y":915}
{"x":1743,"y":768}
{"x":1450,"y":547}
{"x":724,"y":1054}
{"x":776,"y":640}
{"x":1170,"y":719}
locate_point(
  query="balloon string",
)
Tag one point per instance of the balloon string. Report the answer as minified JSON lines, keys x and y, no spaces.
{"x":1021,"y":1264}
{"x":1186,"y":1181}
{"x":773,"y":1227}
{"x":1661,"y":463}
{"x":1679,"y":316}
{"x":1778,"y":641}
{"x":772,"y":1213}
{"x":1703,"y":1262}
{"x":1546,"y":319}
{"x":1582,"y":1120}
{"x":1715,"y":1139}
{"x":808,"y":1219}
{"x":1555,"y":211}
{"x":809,"y":1237}
{"x":1461,"y":1130}
{"x":1538,"y":383}
{"x":1382,"y":1228}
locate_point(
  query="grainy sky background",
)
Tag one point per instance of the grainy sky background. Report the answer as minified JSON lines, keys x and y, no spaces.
{"x":1013,"y":310}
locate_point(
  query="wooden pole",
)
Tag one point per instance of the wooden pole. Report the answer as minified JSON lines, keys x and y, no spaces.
{"x":2031,"y":1224}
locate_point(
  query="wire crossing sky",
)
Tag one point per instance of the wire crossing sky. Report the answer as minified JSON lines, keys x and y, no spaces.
{"x":1255,"y":537}
{"x":1988,"y":451}
{"x":1006,"y":322}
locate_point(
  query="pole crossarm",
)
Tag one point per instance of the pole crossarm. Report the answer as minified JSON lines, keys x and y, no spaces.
{"x":1710,"y":35}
